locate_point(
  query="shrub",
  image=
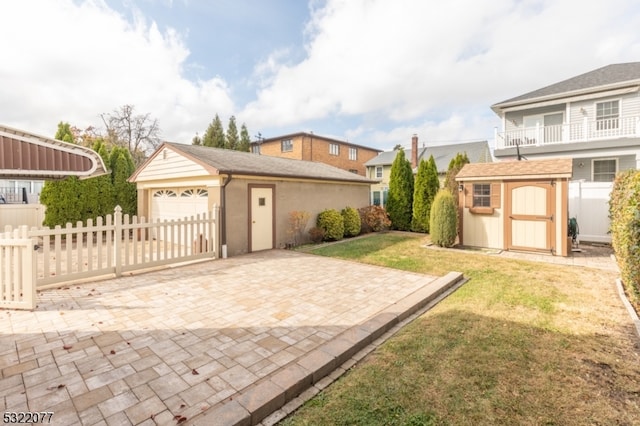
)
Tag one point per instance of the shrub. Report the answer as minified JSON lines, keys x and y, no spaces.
{"x":297,"y":223}
{"x":443,"y":219}
{"x":352,"y":223}
{"x":332,"y":223}
{"x":625,"y":230}
{"x":373,"y":219}
{"x":316,"y":234}
{"x":400,"y":195}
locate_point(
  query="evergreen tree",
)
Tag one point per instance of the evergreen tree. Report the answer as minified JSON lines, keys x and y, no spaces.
{"x":105,"y":201}
{"x":455,"y":165}
{"x":232,"y":140}
{"x":400,"y":199}
{"x":122,"y":167}
{"x":197,"y":140}
{"x":61,"y":197}
{"x":245,"y":139}
{"x":214,"y":136}
{"x":426,"y":187}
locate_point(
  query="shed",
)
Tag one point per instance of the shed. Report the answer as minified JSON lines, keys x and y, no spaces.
{"x":515,"y":205}
{"x":256,"y":193}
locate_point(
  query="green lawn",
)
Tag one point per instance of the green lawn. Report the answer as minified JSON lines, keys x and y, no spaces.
{"x":521,"y":343}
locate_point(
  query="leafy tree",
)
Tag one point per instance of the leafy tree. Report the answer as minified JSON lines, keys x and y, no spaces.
{"x":455,"y":165}
{"x":443,"y":219}
{"x":400,"y":201}
{"x":214,"y":135}
{"x":232,"y":140}
{"x":64,"y":133}
{"x":426,"y":187}
{"x":139,"y":133}
{"x":245,"y":139}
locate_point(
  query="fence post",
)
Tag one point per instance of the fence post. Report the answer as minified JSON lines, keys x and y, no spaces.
{"x":117,"y":240}
{"x":215,"y":231}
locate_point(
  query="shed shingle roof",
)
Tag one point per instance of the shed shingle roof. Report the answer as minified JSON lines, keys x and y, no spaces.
{"x":227,"y":161}
{"x":556,"y":168}
{"x":610,"y":75}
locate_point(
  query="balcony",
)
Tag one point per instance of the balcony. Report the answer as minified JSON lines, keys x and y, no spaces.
{"x":612,"y":128}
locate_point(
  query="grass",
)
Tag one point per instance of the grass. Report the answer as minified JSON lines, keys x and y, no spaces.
{"x":521,"y":343}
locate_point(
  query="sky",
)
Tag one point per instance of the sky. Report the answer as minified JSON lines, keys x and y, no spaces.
{"x":371,"y":72}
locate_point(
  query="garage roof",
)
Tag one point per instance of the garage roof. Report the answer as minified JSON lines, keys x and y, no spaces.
{"x":30,"y":156}
{"x":508,"y":170}
{"x":225,"y":161}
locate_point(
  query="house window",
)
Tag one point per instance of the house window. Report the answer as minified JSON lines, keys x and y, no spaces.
{"x":353,"y":154}
{"x":376,"y":198}
{"x":334,"y":149}
{"x":379,"y":172}
{"x":286,"y":145}
{"x":607,"y":114}
{"x":255,"y":149}
{"x":354,"y":171}
{"x":604,"y":170}
{"x":481,"y":195}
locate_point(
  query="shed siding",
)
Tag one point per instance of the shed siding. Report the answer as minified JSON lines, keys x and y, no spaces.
{"x":483,"y":230}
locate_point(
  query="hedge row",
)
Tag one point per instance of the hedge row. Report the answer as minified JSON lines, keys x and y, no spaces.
{"x":625,"y":231}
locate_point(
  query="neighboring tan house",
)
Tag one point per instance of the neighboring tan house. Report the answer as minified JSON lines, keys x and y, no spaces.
{"x":256,"y":193}
{"x":593,"y":118}
{"x":379,"y":168}
{"x":309,"y":147}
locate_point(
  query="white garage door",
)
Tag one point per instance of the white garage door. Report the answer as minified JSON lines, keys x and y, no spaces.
{"x":174,"y":203}
{"x":178,"y":203}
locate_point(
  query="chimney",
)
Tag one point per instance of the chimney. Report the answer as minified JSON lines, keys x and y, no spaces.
{"x":414,"y":151}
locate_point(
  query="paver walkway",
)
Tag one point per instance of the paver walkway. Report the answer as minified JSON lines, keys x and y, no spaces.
{"x":173,"y":345}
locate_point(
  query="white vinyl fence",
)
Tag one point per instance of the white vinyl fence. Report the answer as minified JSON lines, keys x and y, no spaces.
{"x":589,"y":204}
{"x":41,"y":257}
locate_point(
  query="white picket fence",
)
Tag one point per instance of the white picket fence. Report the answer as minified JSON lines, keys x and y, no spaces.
{"x":589,"y":204}
{"x":42,"y":257}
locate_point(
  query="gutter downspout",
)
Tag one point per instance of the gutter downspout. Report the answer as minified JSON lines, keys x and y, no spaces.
{"x":223,"y":217}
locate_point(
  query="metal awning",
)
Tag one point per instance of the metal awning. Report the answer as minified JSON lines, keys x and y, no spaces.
{"x":24,"y":155}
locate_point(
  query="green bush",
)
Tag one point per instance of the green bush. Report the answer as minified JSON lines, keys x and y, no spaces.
{"x":373,"y":219}
{"x":352,"y":223}
{"x":332,"y":223}
{"x":624,"y":212}
{"x":443,"y":219}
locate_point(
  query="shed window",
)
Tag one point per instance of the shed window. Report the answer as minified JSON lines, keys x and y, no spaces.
{"x":481,"y":195}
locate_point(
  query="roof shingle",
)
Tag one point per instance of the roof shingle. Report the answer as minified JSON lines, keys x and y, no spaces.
{"x":556,"y":168}
{"x":227,"y":161}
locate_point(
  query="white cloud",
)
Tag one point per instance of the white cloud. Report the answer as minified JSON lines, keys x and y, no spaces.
{"x":416,"y":61}
{"x":71,"y":61}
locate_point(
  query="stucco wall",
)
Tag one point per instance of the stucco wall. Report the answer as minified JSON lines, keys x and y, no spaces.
{"x":312,"y":197}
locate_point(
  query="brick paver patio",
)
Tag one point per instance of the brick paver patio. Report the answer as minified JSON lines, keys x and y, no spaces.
{"x":176,"y":344}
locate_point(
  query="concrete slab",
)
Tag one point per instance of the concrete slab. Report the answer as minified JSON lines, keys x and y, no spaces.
{"x":221,"y":342}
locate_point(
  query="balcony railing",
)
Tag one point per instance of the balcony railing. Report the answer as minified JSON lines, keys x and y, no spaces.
{"x":567,"y":133}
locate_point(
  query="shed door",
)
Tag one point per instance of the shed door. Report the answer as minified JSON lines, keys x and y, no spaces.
{"x":529,"y":222}
{"x":261,"y":209}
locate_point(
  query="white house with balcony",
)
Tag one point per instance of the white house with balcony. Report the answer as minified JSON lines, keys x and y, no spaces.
{"x":593,"y":118}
